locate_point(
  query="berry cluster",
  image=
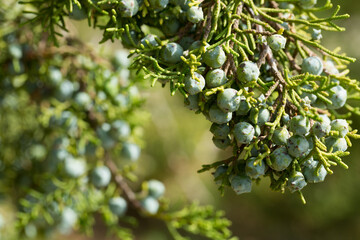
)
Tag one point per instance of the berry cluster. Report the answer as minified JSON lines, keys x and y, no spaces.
{"x":269,"y":96}
{"x":256,"y":69}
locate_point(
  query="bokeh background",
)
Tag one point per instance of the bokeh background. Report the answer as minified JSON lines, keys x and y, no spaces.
{"x":178,"y":142}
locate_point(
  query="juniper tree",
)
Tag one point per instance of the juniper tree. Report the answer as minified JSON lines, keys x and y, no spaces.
{"x":255,"y":68}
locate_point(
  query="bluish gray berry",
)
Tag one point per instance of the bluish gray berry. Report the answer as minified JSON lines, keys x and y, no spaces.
{"x":300,"y":125}
{"x":313,"y":174}
{"x":340,"y":125}
{"x":220,"y":130}
{"x":156,"y":188}
{"x":83,"y":100}
{"x":128,"y":8}
{"x":15,"y":51}
{"x":281,"y":136}
{"x":195,"y":14}
{"x":312,"y":65}
{"x":244,"y":132}
{"x":296,"y":182}
{"x":68,"y":220}
{"x":192,"y":102}
{"x":65,"y":90}
{"x":149,"y":41}
{"x":118,"y":206}
{"x":171,"y":53}
{"x":259,"y":117}
{"x":74,"y":167}
{"x":55,"y":76}
{"x":316,"y":34}
{"x":298,"y":146}
{"x":321,"y":129}
{"x":158,"y":4}
{"x":240,"y":184}
{"x":215,"y":78}
{"x":120,"y":129}
{"x":171,"y":27}
{"x":130,"y":42}
{"x":248,"y":71}
{"x":306,"y":4}
{"x":276,"y":42}
{"x":151,"y":205}
{"x":101,"y":176}
{"x":228,"y":100}
{"x":312,"y":97}
{"x":194,"y":85}
{"x":218,"y":172}
{"x":338,"y":97}
{"x":244,"y":107}
{"x":131,"y":151}
{"x":215,"y":57}
{"x":222,"y":143}
{"x":280,"y":159}
{"x":216,"y":115}
{"x":336,"y":144}
{"x":253,"y":170}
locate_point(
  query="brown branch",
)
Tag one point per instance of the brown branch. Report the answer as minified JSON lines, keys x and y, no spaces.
{"x":122,"y":184}
{"x":208,"y":21}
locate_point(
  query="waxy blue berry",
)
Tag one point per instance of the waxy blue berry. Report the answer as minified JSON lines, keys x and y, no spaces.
{"x":131,"y":151}
{"x":101,"y":176}
{"x":312,"y":65}
{"x":340,"y":125}
{"x":255,"y":169}
{"x":156,"y":188}
{"x":338,"y":97}
{"x":128,"y":8}
{"x":118,"y":206}
{"x":215,"y":57}
{"x":195,"y":14}
{"x":216,"y":115}
{"x":306,"y":4}
{"x":194,"y":84}
{"x":151,"y":205}
{"x":240,"y":184}
{"x":218,"y":172}
{"x":220,"y":130}
{"x":171,"y":53}
{"x":222,"y":143}
{"x":280,"y":159}
{"x":244,"y":132}
{"x":298,"y":146}
{"x":248,"y":71}
{"x":259,"y":117}
{"x":300,"y":125}
{"x":228,"y":100}
{"x":192,"y":102}
{"x":215,"y":78}
{"x":276,"y":42}
{"x":158,"y":4}
{"x":296,"y":182}
{"x":281,"y":136}
{"x":321,"y":129}
{"x":336,"y":144}
{"x":313,"y":174}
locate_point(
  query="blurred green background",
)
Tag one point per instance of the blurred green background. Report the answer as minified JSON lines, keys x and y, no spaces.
{"x":178,"y":142}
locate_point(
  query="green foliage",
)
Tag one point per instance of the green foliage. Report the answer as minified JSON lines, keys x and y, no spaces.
{"x":277,"y":91}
